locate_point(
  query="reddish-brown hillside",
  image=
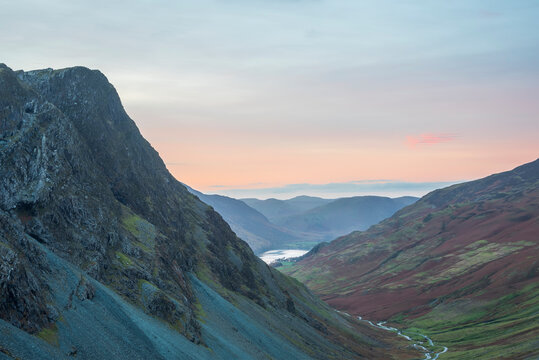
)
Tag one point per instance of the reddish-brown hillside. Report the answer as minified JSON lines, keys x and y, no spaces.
{"x":471,"y":248}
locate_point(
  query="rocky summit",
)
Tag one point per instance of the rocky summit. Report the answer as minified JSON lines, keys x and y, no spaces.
{"x":105,"y":255}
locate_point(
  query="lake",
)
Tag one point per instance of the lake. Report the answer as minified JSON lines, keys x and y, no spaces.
{"x":270,"y":256}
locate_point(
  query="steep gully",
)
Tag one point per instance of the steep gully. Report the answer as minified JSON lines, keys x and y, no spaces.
{"x":429,"y":353}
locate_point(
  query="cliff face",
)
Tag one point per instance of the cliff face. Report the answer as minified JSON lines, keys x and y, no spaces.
{"x":81,"y":180}
{"x":103,"y":254}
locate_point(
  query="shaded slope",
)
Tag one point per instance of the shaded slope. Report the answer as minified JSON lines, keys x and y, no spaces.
{"x":247,"y":223}
{"x":300,"y":222}
{"x":460,"y":264}
{"x":311,"y":220}
{"x":103,"y":254}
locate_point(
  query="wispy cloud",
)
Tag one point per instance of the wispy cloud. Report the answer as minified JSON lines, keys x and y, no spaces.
{"x":428,"y":139}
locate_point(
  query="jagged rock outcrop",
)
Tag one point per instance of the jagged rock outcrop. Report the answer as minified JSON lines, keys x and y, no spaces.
{"x":98,"y":241}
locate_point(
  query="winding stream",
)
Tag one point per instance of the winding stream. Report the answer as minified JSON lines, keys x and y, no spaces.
{"x":420,"y":345}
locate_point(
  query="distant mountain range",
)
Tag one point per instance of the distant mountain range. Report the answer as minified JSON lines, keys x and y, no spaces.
{"x":341,"y":216}
{"x":247,"y":223}
{"x":300,"y":222}
{"x":460,"y":265}
{"x":276,"y":210}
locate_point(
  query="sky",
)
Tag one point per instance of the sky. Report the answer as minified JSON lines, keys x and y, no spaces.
{"x":278,"y":98}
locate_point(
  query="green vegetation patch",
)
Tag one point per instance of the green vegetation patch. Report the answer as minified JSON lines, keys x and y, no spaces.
{"x":285,"y":264}
{"x":6,"y":245}
{"x":144,"y":232}
{"x":477,"y":244}
{"x":49,"y":334}
{"x":200,"y":313}
{"x":303,"y":245}
{"x":480,"y":253}
{"x":476,"y":329}
{"x":124,"y":259}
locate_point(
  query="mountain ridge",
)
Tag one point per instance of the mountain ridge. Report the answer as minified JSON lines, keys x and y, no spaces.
{"x":98,"y":241}
{"x":275,"y":209}
{"x":344,"y":215}
{"x":264,"y":230}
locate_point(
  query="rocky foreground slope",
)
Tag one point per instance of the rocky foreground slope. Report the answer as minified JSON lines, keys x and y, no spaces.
{"x":104,"y":255}
{"x":460,"y":265}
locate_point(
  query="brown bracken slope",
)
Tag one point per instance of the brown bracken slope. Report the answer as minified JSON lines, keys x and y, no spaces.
{"x":460,"y":265}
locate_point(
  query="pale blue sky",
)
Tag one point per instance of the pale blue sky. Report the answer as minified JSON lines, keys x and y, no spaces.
{"x":210,"y":82}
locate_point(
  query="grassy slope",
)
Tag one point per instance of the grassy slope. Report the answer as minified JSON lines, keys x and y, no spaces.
{"x":461,"y":265}
{"x":505,"y":327}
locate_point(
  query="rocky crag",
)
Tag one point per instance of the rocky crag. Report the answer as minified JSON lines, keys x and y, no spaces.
{"x":103,"y":254}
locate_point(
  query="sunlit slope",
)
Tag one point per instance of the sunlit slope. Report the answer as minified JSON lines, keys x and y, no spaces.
{"x":461,"y":264}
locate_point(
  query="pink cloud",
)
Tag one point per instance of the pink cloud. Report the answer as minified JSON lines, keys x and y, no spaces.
{"x":428,"y":139}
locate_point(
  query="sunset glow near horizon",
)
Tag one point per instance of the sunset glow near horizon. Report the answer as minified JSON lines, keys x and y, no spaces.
{"x":328,"y":98}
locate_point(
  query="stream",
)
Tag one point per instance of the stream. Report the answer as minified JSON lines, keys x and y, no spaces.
{"x":420,"y":345}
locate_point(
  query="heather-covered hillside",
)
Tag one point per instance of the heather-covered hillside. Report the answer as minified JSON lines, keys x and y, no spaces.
{"x":461,"y":265}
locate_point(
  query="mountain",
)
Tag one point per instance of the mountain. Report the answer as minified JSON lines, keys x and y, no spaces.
{"x":300,"y":222}
{"x":104,"y":255}
{"x":342,"y":216}
{"x":247,"y":223}
{"x":275,"y":209}
{"x":460,"y":265}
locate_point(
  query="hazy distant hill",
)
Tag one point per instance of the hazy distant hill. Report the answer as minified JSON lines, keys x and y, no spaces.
{"x":300,"y":222}
{"x":275,"y":209}
{"x":247,"y":223}
{"x":461,"y":265}
{"x":342,"y":216}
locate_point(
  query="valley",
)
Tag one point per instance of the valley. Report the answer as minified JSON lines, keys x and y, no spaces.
{"x":271,"y":255}
{"x":269,"y":180}
{"x":419,"y":341}
{"x":302,"y":222}
{"x":459,"y":266}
